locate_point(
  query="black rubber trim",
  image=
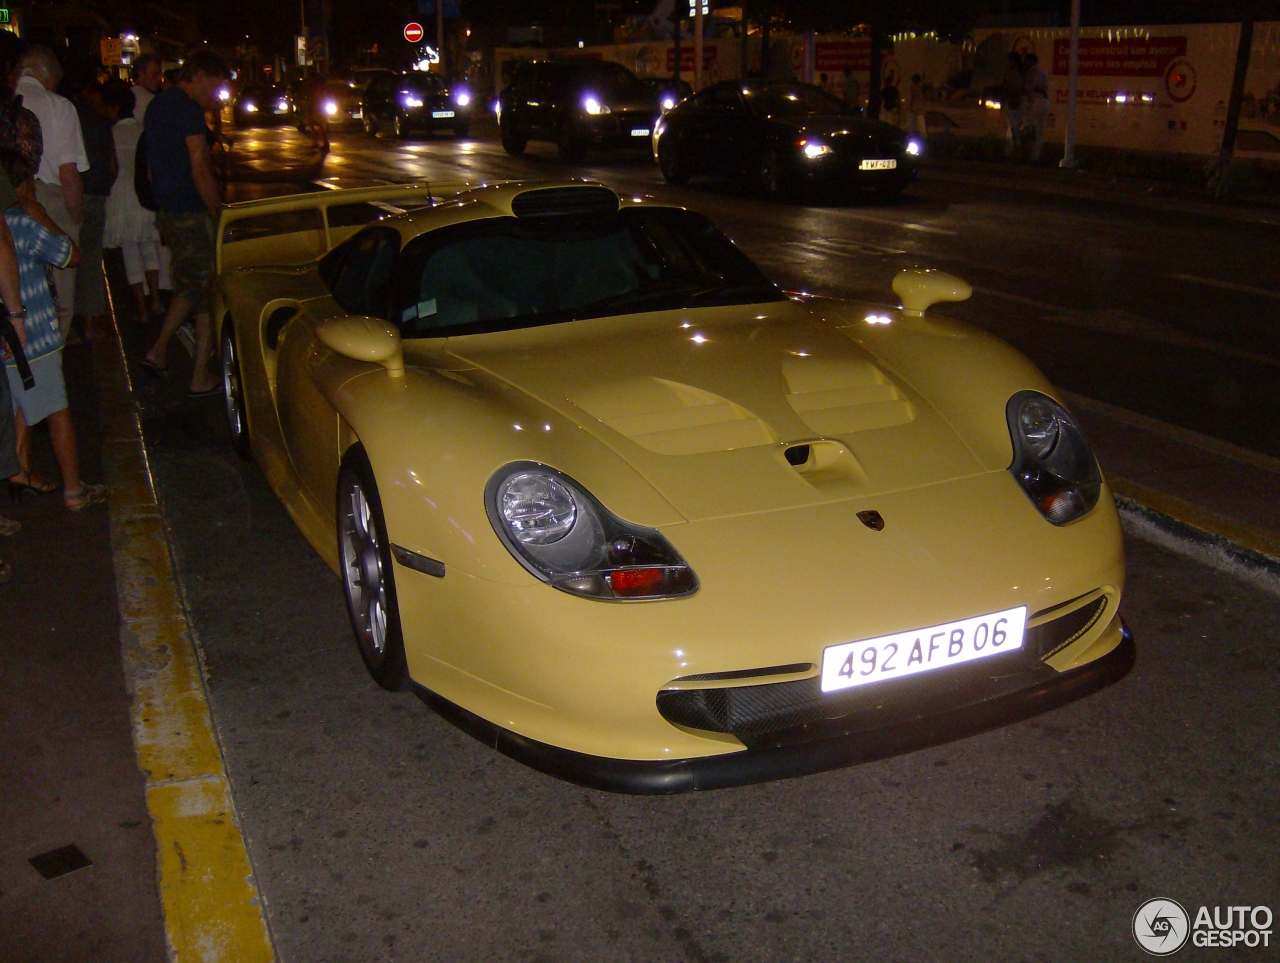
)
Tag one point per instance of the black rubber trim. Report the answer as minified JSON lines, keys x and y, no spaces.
{"x":419,"y":563}
{"x":784,"y":762}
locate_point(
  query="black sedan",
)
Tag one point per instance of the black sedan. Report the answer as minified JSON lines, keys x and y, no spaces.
{"x":262,"y":105}
{"x":334,"y":104}
{"x":415,"y":101}
{"x":785,"y":136}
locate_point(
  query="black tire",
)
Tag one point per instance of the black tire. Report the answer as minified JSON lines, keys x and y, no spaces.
{"x":370,"y":126}
{"x":571,"y":144}
{"x":368,"y":580}
{"x":513,"y":142}
{"x":461,"y":130}
{"x":399,"y":127}
{"x":674,"y":171}
{"x":770,"y":176}
{"x":233,"y":392}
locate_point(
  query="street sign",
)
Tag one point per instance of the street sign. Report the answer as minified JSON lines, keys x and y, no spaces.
{"x":4,"y":14}
{"x":413,"y":32}
{"x":112,"y":51}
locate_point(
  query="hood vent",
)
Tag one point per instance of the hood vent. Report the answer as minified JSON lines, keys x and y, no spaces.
{"x":843,"y":396}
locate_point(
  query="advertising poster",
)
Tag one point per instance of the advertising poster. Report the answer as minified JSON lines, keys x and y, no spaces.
{"x":1258,"y":137}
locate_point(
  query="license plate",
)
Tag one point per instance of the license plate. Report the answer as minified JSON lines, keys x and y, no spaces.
{"x":640,"y":132}
{"x":441,"y":114}
{"x":922,"y":650}
{"x":282,"y":110}
{"x":357,"y":114}
{"x":878,"y":165}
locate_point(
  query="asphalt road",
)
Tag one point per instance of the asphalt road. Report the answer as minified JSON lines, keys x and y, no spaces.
{"x":378,"y":831}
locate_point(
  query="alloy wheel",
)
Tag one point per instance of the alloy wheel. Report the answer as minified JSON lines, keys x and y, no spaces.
{"x":362,"y":572}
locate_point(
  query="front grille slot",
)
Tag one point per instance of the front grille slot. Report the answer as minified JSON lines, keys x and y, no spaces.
{"x":774,"y":713}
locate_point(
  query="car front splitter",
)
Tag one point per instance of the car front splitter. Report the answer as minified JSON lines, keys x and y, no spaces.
{"x":661,"y":777}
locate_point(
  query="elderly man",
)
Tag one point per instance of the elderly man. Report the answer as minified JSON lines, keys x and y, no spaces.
{"x":147,"y":77}
{"x":58,"y":184}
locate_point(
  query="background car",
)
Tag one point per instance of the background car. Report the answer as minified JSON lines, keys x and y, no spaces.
{"x":578,"y":105}
{"x":669,"y":90}
{"x":334,"y":102}
{"x":614,"y":503}
{"x":261,"y":105}
{"x":415,"y":101}
{"x":784,"y":136}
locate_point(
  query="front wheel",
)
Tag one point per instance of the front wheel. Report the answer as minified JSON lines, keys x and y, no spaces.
{"x":367,"y":579}
{"x":513,"y":142}
{"x":674,"y":170}
{"x":770,"y":177}
{"x":571,"y":144}
{"x":233,"y":392}
{"x":399,"y":127}
{"x":370,"y":126}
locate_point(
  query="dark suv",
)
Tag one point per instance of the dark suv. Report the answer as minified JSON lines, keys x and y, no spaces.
{"x":578,"y":104}
{"x":415,"y":101}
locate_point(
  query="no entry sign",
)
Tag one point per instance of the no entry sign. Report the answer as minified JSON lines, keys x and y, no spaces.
{"x":413,"y":32}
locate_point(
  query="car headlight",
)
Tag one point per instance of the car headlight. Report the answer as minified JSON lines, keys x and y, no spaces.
{"x":561,"y":534}
{"x":282,"y":105}
{"x":223,"y":94}
{"x":330,"y":107}
{"x":462,"y":98}
{"x":594,"y":107}
{"x":412,"y":101}
{"x":1052,"y":462}
{"x":914,"y":147}
{"x":251,"y":108}
{"x":813,"y":149}
{"x":668,"y":102}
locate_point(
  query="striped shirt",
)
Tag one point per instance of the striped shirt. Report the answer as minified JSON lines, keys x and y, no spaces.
{"x":38,"y":249}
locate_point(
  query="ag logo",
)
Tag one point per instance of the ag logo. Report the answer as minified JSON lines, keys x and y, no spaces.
{"x":1161,"y":926}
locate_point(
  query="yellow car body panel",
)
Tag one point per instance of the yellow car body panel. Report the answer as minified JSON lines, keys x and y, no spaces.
{"x":677,"y":421}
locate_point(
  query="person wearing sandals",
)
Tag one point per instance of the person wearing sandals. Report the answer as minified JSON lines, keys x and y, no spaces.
{"x":40,"y":244}
{"x":10,"y":294}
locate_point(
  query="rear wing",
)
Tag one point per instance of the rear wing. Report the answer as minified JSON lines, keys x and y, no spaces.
{"x":299,"y":228}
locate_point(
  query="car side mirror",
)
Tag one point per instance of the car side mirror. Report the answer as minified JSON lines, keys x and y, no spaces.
{"x":362,"y":338}
{"x":920,"y":288}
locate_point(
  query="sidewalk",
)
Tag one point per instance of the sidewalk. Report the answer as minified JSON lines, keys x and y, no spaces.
{"x":1101,"y":186}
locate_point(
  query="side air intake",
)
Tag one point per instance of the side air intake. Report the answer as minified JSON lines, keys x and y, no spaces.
{"x":549,"y":202}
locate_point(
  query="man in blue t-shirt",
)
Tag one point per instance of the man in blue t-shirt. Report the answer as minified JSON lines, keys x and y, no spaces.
{"x":189,"y":197}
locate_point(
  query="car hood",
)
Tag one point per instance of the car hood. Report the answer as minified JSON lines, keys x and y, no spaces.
{"x":705,"y":404}
{"x":854,"y":129}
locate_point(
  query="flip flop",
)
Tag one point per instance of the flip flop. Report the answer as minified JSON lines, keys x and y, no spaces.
{"x":155,"y":370}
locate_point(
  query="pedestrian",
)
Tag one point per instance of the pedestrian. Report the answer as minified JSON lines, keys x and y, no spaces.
{"x":10,"y":293}
{"x":130,"y":226}
{"x":82,"y":89}
{"x":916,"y":120}
{"x":851,"y":89}
{"x":189,"y":198}
{"x":58,"y":184}
{"x":890,"y":103}
{"x":40,"y":243}
{"x":1035,"y":102}
{"x":1011,"y":99}
{"x":147,"y":77}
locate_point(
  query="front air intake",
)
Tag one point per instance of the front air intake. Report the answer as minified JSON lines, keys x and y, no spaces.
{"x":569,"y":202}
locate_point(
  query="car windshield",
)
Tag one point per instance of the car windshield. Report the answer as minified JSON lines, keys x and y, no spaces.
{"x":502,"y":273}
{"x":608,"y":80}
{"x":421,"y":83}
{"x":793,"y":100}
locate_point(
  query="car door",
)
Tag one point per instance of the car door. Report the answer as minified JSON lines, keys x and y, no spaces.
{"x":727,"y":125}
{"x":359,"y":279}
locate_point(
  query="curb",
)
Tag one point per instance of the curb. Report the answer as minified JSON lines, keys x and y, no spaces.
{"x":213,"y":910}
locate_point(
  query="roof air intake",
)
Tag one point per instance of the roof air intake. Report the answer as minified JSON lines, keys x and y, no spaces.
{"x":574,"y":202}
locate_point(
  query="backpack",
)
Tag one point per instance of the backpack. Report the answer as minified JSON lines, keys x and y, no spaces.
{"x":142,"y":176}
{"x":20,"y":134}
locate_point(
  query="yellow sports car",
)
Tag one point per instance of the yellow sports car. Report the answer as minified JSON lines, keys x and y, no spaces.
{"x":612,"y":502}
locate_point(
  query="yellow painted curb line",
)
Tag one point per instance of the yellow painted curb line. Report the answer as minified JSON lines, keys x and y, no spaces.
{"x":213,"y":910}
{"x":1203,"y":519}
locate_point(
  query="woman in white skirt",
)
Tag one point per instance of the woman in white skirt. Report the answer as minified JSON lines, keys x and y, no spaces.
{"x":130,"y":226}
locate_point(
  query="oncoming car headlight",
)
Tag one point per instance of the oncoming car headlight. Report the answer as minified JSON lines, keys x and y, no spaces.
{"x":462,"y":98}
{"x":814,"y":149}
{"x":561,"y":534}
{"x":330,"y":107}
{"x":593,"y":106}
{"x":1052,"y":462}
{"x":914,"y":147}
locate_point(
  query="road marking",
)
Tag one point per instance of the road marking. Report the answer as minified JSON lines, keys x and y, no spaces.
{"x":1207,"y":443}
{"x":1118,"y":322}
{"x":212,"y":907}
{"x":888,"y":221}
{"x":1227,"y":285}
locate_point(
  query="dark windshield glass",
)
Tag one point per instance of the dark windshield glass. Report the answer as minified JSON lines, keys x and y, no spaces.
{"x":503,"y":273}
{"x":421,"y":83}
{"x":607,"y":80}
{"x":794,"y":100}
